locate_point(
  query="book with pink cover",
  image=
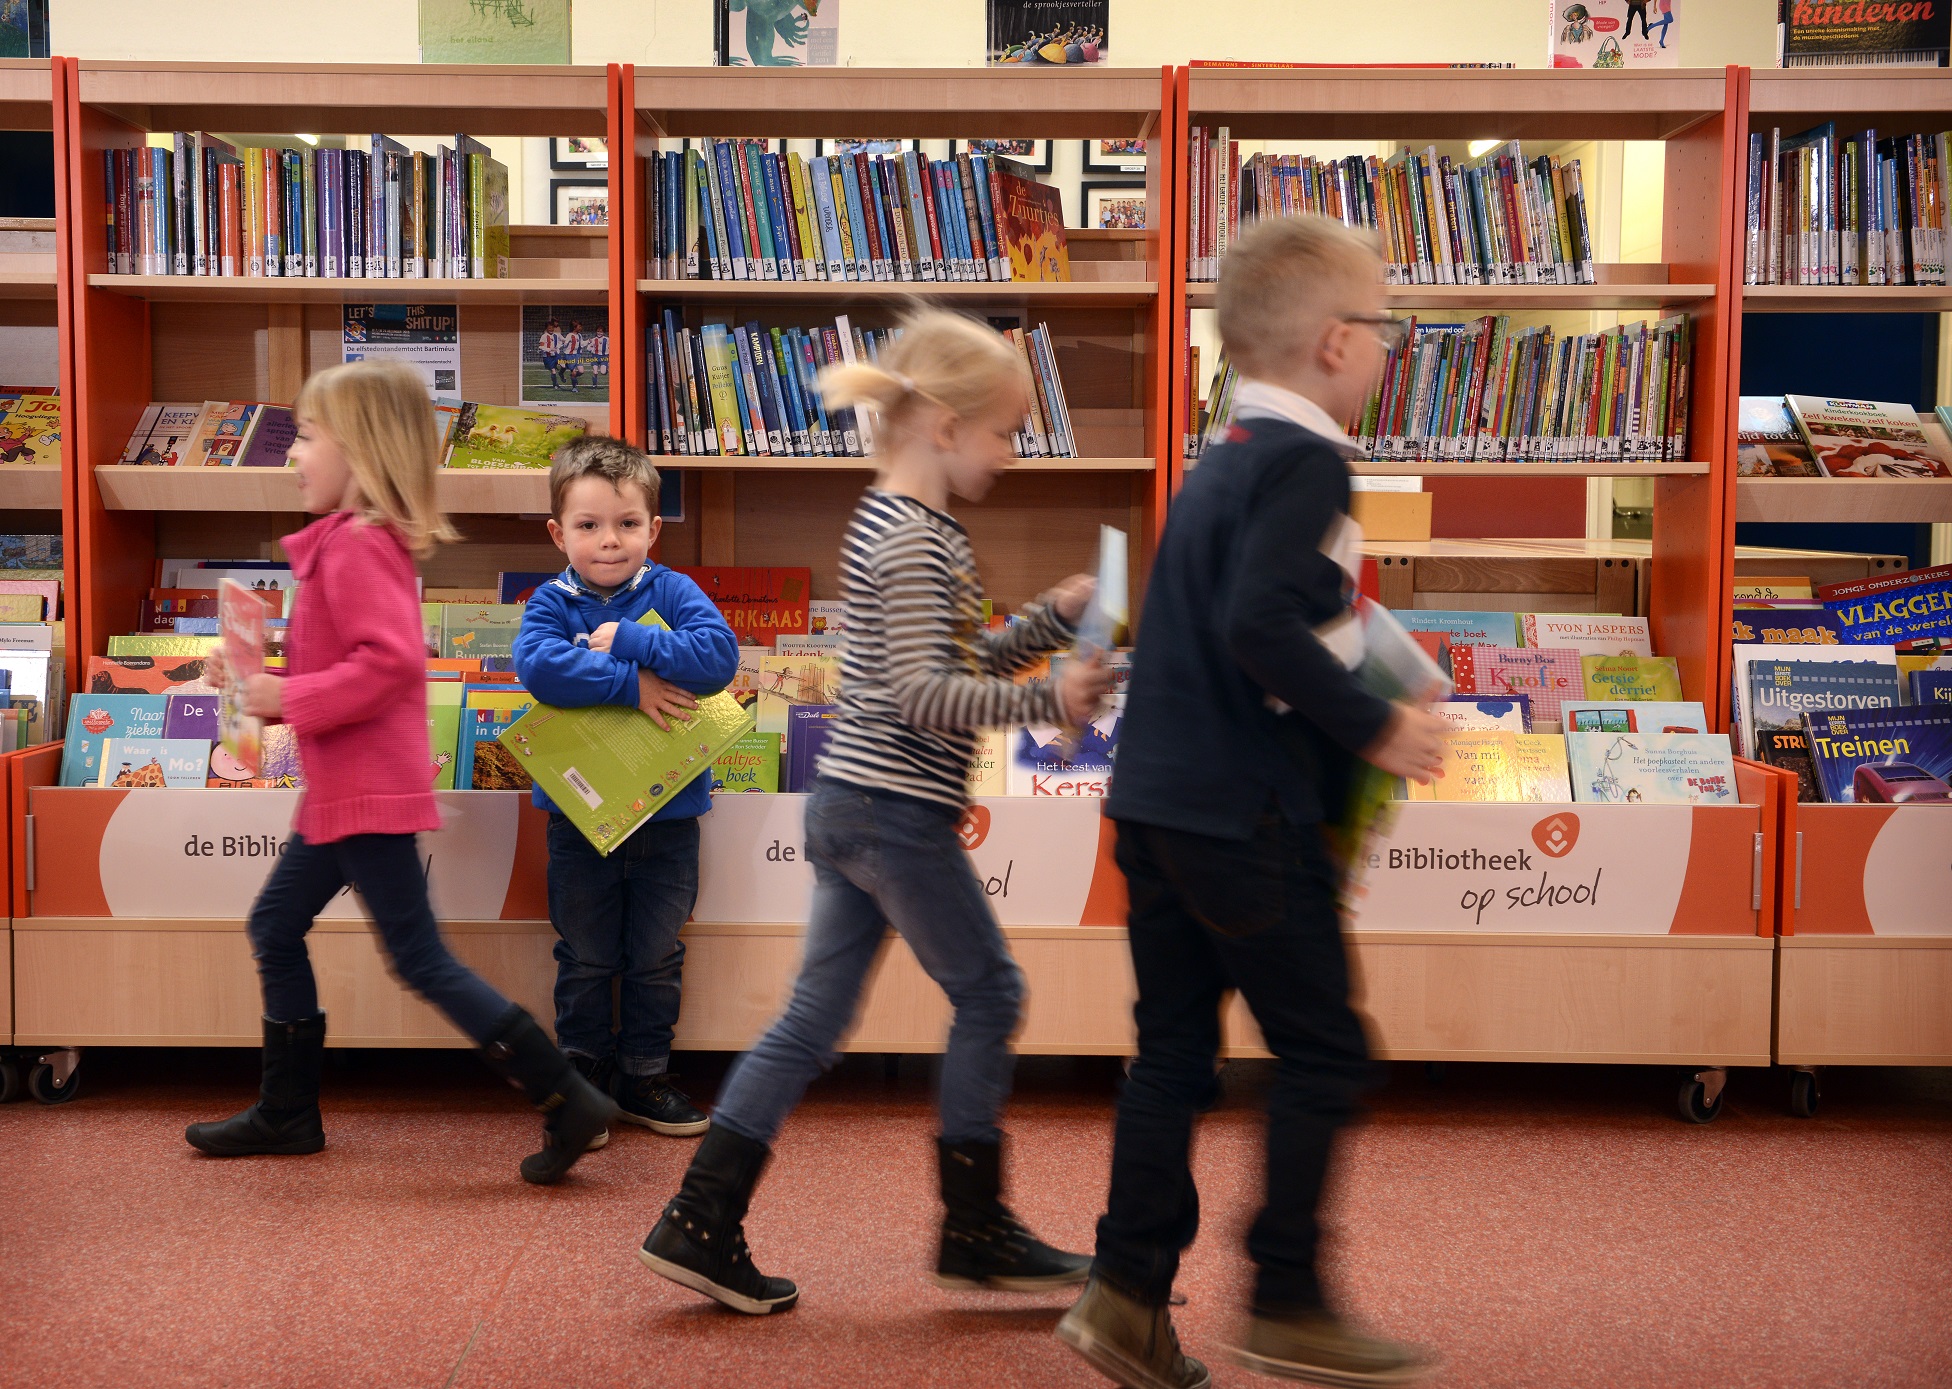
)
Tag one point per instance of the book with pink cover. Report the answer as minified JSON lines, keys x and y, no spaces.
{"x":1546,"y":675}
{"x":240,"y":627}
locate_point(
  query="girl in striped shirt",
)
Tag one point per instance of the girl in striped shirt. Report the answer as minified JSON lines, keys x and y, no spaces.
{"x":920,"y":675}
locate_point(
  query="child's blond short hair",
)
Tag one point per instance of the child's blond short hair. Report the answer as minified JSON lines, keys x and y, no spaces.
{"x":944,"y":357}
{"x":379,"y":415}
{"x":599,"y":455}
{"x":1281,"y":279}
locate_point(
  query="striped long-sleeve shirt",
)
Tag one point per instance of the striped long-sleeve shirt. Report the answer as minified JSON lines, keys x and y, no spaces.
{"x":920,"y":674}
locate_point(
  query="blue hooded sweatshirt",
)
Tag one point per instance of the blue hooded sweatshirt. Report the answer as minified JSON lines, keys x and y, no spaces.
{"x":554,"y":660}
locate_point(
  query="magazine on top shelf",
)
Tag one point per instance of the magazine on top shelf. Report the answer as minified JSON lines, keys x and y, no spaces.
{"x":1865,"y":438}
{"x":1844,"y":35}
{"x":1888,"y":756}
{"x":1600,"y":34}
{"x":1767,"y":443}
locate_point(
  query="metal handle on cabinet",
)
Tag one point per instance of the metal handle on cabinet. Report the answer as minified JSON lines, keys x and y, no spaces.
{"x":1799,"y":870}
{"x":30,"y":851}
{"x":1755,"y":875}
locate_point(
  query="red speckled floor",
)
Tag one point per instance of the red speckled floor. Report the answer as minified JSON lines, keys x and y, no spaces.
{"x":1539,"y":1226}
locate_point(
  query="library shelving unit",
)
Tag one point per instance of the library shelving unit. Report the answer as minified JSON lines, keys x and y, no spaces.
{"x":1865,"y":976}
{"x":1686,"y":979}
{"x":123,"y":956}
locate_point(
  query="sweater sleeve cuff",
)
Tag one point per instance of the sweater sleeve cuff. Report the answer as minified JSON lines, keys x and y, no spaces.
{"x":301,"y":705}
{"x":632,"y":642}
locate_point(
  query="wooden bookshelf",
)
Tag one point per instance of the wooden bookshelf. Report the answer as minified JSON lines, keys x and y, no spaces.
{"x":30,"y":487}
{"x":1621,"y":294}
{"x":818,"y":295}
{"x":1846,"y":298}
{"x":1543,"y":472}
{"x":243,"y":289}
{"x":1907,"y":501}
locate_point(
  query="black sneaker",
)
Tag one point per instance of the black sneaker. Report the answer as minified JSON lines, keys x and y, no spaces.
{"x":659,"y":1106}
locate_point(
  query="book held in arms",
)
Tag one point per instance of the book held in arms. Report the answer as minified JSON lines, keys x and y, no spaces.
{"x":1767,"y":442}
{"x":609,"y":768}
{"x":1654,"y":768}
{"x":1882,"y":756}
{"x":1865,"y":438}
{"x":240,"y":625}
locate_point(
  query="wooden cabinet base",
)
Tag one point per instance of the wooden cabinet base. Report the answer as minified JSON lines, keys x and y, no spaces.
{"x":1684,"y":999}
{"x":6,"y":987}
{"x":1865,"y":1001}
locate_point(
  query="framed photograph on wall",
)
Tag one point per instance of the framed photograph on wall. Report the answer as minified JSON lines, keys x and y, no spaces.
{"x":1114,"y":157}
{"x":1034,"y":155}
{"x":1113,"y":206}
{"x":579,"y":152}
{"x":579,"y":202}
{"x":823,"y":149}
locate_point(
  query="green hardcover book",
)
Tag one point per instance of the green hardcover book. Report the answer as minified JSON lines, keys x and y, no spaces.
{"x":501,"y":436}
{"x":751,"y":764}
{"x":491,"y":234}
{"x":609,"y":768}
{"x":474,"y":630}
{"x":1633,"y":678}
{"x":160,"y":644}
{"x":444,"y":728}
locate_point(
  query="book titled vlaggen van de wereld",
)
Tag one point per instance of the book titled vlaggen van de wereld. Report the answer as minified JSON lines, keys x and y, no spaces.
{"x":1916,"y":606}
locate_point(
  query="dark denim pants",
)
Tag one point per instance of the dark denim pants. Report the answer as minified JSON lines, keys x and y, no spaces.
{"x":385,"y":870}
{"x":621,"y":915}
{"x":1208,"y":915}
{"x":880,"y":860}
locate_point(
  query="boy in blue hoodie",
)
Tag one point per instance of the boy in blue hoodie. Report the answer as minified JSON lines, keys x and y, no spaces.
{"x":581,"y":644}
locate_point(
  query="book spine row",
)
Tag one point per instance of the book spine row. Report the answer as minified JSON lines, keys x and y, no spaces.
{"x":203,"y":206}
{"x":1856,"y":211}
{"x":1498,"y":219}
{"x":745,"y":390}
{"x":736,"y":210}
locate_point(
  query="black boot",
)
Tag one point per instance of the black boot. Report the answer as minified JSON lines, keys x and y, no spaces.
{"x":286,"y":1117}
{"x":700,"y":1240}
{"x":983,"y":1245}
{"x":574,"y":1112}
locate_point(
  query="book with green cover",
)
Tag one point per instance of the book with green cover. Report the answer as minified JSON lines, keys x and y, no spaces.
{"x":609,"y":768}
{"x":479,"y":629}
{"x":1636,"y":678}
{"x":750,"y":764}
{"x":444,"y":728}
{"x":501,"y":436}
{"x":160,"y":644}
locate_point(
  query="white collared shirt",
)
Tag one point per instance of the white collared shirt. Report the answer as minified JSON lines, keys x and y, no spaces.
{"x":1278,"y":402}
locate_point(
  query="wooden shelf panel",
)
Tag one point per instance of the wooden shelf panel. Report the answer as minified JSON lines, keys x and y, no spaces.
{"x":1914,"y":500}
{"x":26,"y":94}
{"x":1517,"y":298}
{"x":462,"y":491}
{"x":244,"y":289}
{"x":1847,"y":298}
{"x":920,"y":103}
{"x":26,"y":284}
{"x":1387,"y":104}
{"x":1893,"y":99}
{"x":30,"y":487}
{"x":1075,"y":293}
{"x":700,"y":463}
{"x":401,"y":99}
{"x":1369,"y":468}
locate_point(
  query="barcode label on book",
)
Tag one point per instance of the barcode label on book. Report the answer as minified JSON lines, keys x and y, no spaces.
{"x":582,"y":788}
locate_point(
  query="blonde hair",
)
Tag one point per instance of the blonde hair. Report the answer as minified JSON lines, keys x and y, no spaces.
{"x":1281,"y":279}
{"x":946,"y":358}
{"x":379,"y":415}
{"x":599,"y":455}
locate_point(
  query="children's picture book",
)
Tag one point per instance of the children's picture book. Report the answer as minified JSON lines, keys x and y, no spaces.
{"x":93,"y":719}
{"x":565,"y":354}
{"x":751,"y":763}
{"x":1930,"y":687}
{"x":1030,"y":223}
{"x":1638,"y":678}
{"x":1755,"y":588}
{"x":808,"y":727}
{"x":240,"y":624}
{"x":1785,"y":627}
{"x":1545,"y":675}
{"x":1463,"y":628}
{"x":758,"y":603}
{"x":1479,"y":715}
{"x":1908,"y":607}
{"x":1865,"y":438}
{"x":776,"y":33}
{"x":1781,"y":692}
{"x":145,"y":762}
{"x":192,"y":716}
{"x":479,"y":629}
{"x":787,"y":682}
{"x":826,"y":616}
{"x":269,"y":443}
{"x":163,"y":436}
{"x":501,"y":436}
{"x":1044,"y":762}
{"x":1049,"y":33}
{"x":1540,"y":760}
{"x":1742,"y":700}
{"x":1495,"y":765}
{"x":464,"y":31}
{"x":1885,"y":756}
{"x":48,"y":592}
{"x":144,"y":675}
{"x":1789,"y":749}
{"x":988,"y":765}
{"x":1656,"y":768}
{"x":30,"y":430}
{"x":1767,"y":444}
{"x":444,"y":699}
{"x":481,"y":762}
{"x":1626,"y":716}
{"x":1601,"y":34}
{"x":1588,"y":634}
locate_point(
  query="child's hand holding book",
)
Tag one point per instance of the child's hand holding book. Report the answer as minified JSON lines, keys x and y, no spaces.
{"x":1083,"y":685}
{"x":658,"y":697}
{"x":1410,"y":745}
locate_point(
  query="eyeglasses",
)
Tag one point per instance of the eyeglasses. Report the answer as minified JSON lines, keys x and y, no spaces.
{"x":1390,"y":331}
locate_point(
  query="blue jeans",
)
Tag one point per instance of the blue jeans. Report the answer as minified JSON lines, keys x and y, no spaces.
{"x":621,"y":916}
{"x":881,"y":860}
{"x":385,"y":871}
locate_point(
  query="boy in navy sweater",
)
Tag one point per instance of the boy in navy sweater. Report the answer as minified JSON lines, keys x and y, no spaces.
{"x":581,"y":644}
{"x":1241,"y":728}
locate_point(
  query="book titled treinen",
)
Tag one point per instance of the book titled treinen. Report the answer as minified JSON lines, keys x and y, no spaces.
{"x":1889,"y":756}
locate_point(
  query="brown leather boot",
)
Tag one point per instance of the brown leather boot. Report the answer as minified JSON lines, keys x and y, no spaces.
{"x":1318,"y":1348}
{"x":1129,"y":1342}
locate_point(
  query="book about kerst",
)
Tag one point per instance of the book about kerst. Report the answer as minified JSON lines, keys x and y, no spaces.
{"x":240,"y":631}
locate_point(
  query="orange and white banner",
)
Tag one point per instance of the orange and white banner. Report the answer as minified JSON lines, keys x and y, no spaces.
{"x":1874,"y":870}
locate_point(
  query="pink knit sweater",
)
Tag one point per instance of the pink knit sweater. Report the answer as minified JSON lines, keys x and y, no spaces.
{"x":355,"y":691}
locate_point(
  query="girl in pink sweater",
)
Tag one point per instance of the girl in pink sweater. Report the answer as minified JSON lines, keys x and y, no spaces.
{"x":355,"y":696}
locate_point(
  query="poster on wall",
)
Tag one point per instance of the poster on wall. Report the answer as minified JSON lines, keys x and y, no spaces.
{"x":425,"y":337}
{"x":494,"y":31}
{"x":565,"y":354}
{"x":776,"y":33}
{"x":1047,"y":33}
{"x":1613,"y":34}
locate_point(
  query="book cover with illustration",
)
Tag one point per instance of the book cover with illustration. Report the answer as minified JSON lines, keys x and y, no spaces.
{"x":1634,"y":678}
{"x":1603,"y":34}
{"x":144,"y":675}
{"x":160,"y":645}
{"x":789,"y":682}
{"x":1587,"y":633}
{"x":751,"y":763}
{"x":1043,"y":761}
{"x":30,"y":430}
{"x":481,"y":762}
{"x":93,"y":719}
{"x":479,"y":629}
{"x":776,"y":33}
{"x":988,"y":765}
{"x":1789,"y":750}
{"x":1915,"y":606}
{"x":1655,"y":768}
{"x":174,"y":762}
{"x":1495,"y":765}
{"x":1781,"y":692}
{"x":808,"y":727}
{"x":1463,"y":628}
{"x":1742,"y":699}
{"x":240,"y":625}
{"x":1884,"y":756}
{"x":501,"y":436}
{"x":1481,"y":715}
{"x":1767,"y":443}
{"x":757,"y":602}
{"x":1544,"y":675}
{"x":1049,"y":33}
{"x":1853,"y":35}
{"x":610,"y":768}
{"x":192,"y":716}
{"x":1865,"y":438}
{"x":1030,"y":223}
{"x":444,"y":700}
{"x":1626,"y":716}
